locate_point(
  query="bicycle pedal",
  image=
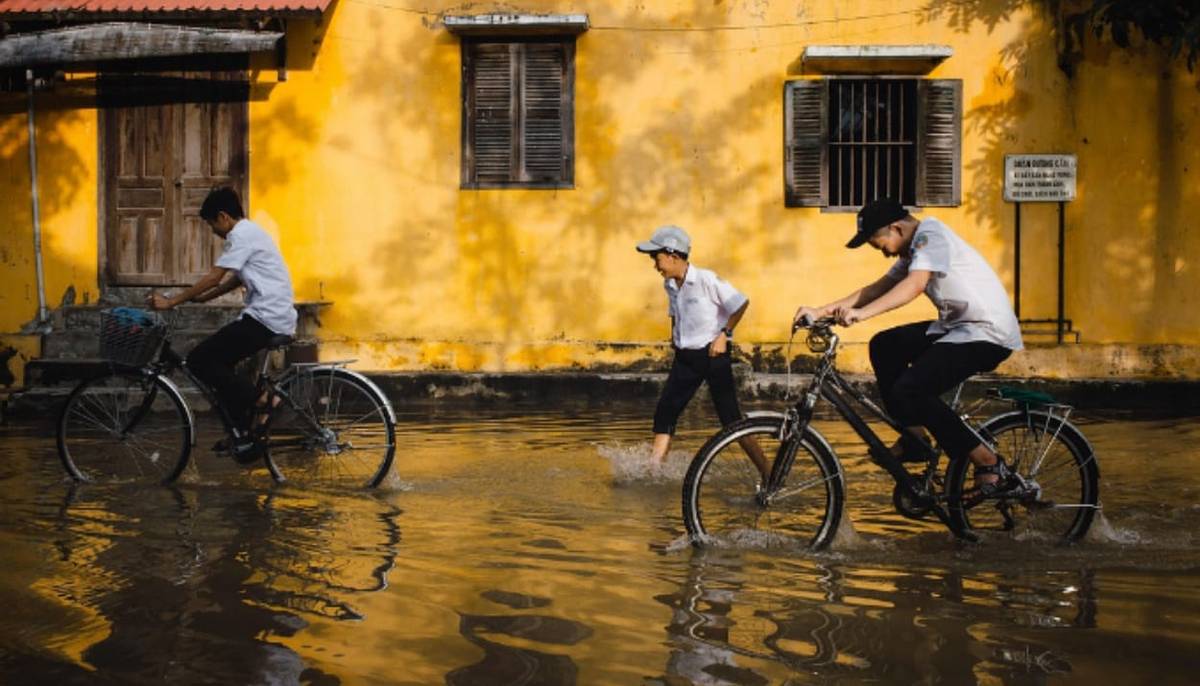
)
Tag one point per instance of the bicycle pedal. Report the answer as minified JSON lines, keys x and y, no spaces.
{"x":248,"y":452}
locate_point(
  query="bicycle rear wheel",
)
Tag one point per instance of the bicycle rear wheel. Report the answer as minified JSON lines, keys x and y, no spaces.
{"x":332,"y":429}
{"x":125,"y":426}
{"x":722,"y":504}
{"x":1060,"y":470}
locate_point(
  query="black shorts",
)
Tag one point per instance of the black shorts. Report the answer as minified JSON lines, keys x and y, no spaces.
{"x":690,"y":369}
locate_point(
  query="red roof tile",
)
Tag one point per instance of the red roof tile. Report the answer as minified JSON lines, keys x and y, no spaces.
{"x":111,"y":7}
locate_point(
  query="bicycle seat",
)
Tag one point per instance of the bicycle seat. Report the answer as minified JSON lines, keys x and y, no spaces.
{"x":1024,"y":396}
{"x":279,"y":341}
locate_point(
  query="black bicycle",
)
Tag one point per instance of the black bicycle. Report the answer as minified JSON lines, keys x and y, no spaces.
{"x":1055,"y":496}
{"x":324,"y":425}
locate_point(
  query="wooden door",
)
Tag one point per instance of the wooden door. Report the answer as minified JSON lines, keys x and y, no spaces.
{"x":162,"y":155}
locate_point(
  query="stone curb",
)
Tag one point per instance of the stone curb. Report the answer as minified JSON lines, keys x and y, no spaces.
{"x":1129,"y":396}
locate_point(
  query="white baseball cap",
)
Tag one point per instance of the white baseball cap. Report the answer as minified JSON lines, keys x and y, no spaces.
{"x":669,"y":238}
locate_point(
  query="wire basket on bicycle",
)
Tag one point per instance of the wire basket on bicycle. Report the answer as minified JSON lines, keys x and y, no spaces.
{"x":130,"y":336}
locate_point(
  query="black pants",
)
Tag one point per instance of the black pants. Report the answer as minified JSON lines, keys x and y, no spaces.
{"x":913,"y":370}
{"x":213,"y":361}
{"x":690,"y":369}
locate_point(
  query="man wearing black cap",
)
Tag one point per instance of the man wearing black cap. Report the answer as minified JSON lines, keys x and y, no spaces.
{"x":914,"y":364}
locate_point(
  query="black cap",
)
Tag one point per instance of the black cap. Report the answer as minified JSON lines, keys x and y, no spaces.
{"x":874,"y":216}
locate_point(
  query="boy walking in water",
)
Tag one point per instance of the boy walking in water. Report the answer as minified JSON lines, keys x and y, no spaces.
{"x":250,"y":259}
{"x":704,"y":311}
{"x":914,"y":364}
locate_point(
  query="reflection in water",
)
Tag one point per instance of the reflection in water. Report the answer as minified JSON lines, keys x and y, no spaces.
{"x":506,"y":664}
{"x":876,"y":625}
{"x":194,"y":586}
{"x":533,"y":554}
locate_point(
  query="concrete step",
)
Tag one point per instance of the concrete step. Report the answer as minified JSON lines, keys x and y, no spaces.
{"x":203,"y":317}
{"x":74,"y":344}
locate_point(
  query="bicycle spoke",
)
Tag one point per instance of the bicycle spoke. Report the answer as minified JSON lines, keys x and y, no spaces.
{"x":354,"y":444}
{"x":788,"y":491}
{"x":722,"y":503}
{"x":1037,"y":446}
{"x":111,"y":431}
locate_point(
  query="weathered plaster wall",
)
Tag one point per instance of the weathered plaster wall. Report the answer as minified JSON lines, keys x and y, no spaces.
{"x":355,"y":166}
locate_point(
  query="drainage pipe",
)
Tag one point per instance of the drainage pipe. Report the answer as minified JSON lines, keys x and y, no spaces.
{"x":42,"y":315}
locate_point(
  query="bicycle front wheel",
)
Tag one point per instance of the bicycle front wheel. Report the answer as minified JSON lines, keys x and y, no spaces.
{"x":126,"y":426}
{"x":722,"y":499}
{"x":1062,"y":480}
{"x":332,"y":429}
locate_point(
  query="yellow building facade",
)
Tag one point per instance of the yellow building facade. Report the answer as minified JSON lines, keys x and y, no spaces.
{"x":355,"y":166}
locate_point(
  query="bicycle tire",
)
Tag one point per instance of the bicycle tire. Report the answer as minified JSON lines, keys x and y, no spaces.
{"x":355,"y":443}
{"x":721,"y":504}
{"x":125,"y":426}
{"x":1049,"y":452}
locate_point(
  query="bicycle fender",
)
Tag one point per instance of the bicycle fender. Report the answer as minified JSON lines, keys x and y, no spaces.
{"x":378,"y":391}
{"x":172,"y":388}
{"x":810,"y":433}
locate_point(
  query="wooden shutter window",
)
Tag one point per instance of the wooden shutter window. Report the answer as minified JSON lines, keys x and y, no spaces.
{"x":544,"y":103}
{"x":806,"y":136}
{"x":939,"y":142}
{"x":518,"y":114}
{"x":490,"y":112}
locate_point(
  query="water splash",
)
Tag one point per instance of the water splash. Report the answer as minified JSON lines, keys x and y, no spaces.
{"x":634,"y":464}
{"x":846,"y":537}
{"x":392,"y":483}
{"x":1103,"y":531}
{"x":681,"y":543}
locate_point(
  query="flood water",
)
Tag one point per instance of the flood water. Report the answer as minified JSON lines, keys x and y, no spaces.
{"x":533,"y":545}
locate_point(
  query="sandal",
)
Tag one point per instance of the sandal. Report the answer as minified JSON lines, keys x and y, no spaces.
{"x":991,"y":488}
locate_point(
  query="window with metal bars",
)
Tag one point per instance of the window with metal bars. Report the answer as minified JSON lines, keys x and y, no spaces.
{"x":872,"y":141}
{"x":518,"y":113}
{"x":849,"y":141}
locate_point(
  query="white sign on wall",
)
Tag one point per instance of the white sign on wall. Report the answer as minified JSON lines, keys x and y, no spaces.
{"x":1039,"y":178}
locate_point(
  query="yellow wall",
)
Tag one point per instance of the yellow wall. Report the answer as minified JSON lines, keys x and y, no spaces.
{"x":355,"y":166}
{"x":67,"y":187}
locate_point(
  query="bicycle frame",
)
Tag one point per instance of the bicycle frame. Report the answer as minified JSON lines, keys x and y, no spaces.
{"x":829,"y":384}
{"x":169,"y":361}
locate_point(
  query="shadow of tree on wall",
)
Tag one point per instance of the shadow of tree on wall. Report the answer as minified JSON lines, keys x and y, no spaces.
{"x":62,"y":175}
{"x":1106,"y":105}
{"x":539,"y":256}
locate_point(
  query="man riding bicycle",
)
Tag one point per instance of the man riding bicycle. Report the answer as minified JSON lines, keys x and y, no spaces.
{"x":250,"y":259}
{"x":914,"y":364}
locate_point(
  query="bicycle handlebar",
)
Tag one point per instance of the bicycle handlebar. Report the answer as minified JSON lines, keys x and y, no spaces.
{"x":820,"y":332}
{"x":806,"y":322}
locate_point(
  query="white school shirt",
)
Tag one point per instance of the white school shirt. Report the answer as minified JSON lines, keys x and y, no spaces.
{"x":700,"y":307}
{"x":971,"y":302}
{"x":252,"y":253}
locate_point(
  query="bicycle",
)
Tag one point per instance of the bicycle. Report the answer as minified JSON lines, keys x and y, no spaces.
{"x":1056,"y":492}
{"x":325,"y":425}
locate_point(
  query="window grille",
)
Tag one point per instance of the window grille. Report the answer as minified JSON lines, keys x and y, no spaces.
{"x":872,"y":141}
{"x":848,"y":141}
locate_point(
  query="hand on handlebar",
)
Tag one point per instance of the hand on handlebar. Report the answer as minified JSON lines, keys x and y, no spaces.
{"x":157,"y":302}
{"x":847,"y":316}
{"x":805,"y":316}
